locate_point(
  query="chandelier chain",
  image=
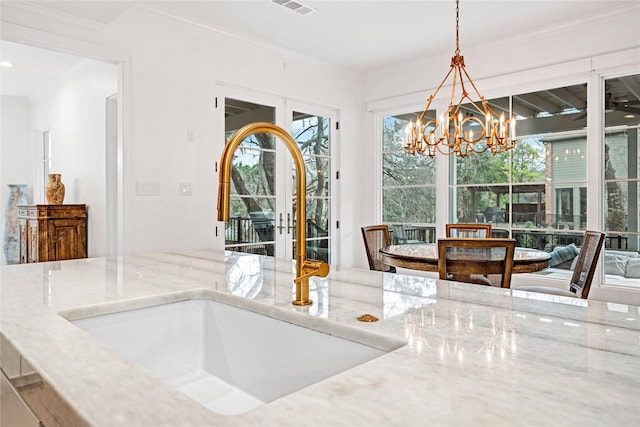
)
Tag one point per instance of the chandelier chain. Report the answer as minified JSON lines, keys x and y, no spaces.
{"x":457,"y":27}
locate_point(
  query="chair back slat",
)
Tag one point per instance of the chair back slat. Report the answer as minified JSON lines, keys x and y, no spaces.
{"x":586,"y":263}
{"x":375,"y":238}
{"x":468,"y":230}
{"x":466,"y":259}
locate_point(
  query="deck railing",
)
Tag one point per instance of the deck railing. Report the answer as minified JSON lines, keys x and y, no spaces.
{"x":256,"y":236}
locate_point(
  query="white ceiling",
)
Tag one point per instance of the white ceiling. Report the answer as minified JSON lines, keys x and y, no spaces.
{"x":33,"y":68}
{"x":360,"y":35}
{"x":364,"y":35}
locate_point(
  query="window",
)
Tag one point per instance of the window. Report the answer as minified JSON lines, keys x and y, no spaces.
{"x":536,"y":193}
{"x":621,"y":180}
{"x":408,"y":185}
{"x":564,"y":204}
{"x":530,"y":192}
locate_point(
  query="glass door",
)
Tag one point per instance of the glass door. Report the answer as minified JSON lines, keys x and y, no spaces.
{"x":262,"y":200}
{"x":313,"y":130}
{"x":251,"y":225}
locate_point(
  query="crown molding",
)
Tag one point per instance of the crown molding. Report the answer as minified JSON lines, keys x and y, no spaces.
{"x":27,"y":13}
{"x":579,"y":22}
{"x":46,"y":40}
{"x":171,"y":14}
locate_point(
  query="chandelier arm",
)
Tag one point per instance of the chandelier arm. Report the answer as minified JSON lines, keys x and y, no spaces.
{"x":449,"y":151}
{"x":484,"y":111}
{"x":424,"y":112}
{"x":485,"y":103}
{"x":455,"y":108}
{"x":472,"y":83}
{"x":491,"y":110}
{"x":473,"y":148}
{"x":453,"y":87}
{"x":442,"y":83}
{"x":433,"y":96}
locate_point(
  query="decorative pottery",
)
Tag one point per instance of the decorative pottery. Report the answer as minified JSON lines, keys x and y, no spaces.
{"x":11,"y":225}
{"x":55,"y":189}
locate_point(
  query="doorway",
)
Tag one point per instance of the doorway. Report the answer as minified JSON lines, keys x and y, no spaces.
{"x":262,"y":202}
{"x":84,"y":138}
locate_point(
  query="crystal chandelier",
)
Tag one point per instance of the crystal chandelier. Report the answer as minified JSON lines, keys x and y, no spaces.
{"x":460,"y":132}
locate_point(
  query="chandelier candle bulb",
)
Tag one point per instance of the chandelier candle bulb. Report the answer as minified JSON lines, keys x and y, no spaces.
{"x":409,"y":135}
{"x":407,"y":132}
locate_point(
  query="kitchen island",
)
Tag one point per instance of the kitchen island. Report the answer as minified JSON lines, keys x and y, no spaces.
{"x":467,"y":355}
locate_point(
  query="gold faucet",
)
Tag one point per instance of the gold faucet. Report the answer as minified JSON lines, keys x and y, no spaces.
{"x":304,"y":268}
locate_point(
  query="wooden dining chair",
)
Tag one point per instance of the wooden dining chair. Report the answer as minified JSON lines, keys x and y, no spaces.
{"x":471,"y":260}
{"x":583,"y":272}
{"x":375,"y":238}
{"x":468,"y":230}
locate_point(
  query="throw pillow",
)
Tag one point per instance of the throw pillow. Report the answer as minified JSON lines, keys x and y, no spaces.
{"x":633,"y":268}
{"x":561,"y":255}
{"x":615,"y":264}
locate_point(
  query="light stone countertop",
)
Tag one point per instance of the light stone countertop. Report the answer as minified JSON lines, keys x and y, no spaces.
{"x":472,"y":355}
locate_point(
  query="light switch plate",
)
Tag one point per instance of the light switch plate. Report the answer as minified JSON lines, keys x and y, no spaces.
{"x":148,"y":188}
{"x":185,"y":189}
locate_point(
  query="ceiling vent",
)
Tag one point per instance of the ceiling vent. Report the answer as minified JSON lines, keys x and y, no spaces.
{"x":295,"y":6}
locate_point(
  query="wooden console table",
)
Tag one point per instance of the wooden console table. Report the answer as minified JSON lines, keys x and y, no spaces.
{"x":52,"y":232}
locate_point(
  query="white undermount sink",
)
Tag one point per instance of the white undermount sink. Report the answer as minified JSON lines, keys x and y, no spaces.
{"x":229,"y":359}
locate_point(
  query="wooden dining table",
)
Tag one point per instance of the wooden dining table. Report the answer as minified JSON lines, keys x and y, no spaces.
{"x":424,"y":256}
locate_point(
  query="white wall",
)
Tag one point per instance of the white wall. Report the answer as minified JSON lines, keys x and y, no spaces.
{"x":501,"y":61}
{"x":15,"y":146}
{"x":176,"y":67}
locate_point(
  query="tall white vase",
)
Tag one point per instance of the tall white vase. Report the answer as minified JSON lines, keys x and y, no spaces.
{"x":10,"y":224}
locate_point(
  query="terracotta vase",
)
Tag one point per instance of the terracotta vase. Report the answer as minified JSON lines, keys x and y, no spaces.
{"x":11,"y":225}
{"x":55,"y":189}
